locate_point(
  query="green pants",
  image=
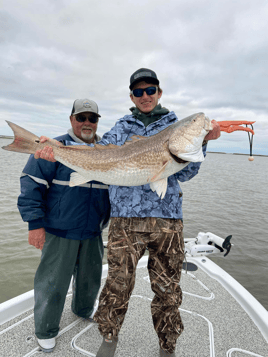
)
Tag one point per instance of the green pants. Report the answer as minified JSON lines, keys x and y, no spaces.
{"x":61,"y":259}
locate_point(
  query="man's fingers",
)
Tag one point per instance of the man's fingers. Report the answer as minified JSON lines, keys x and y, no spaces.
{"x":37,"y":154}
{"x":49,"y":155}
{"x":43,"y":139}
{"x":46,"y":153}
{"x":37,"y":238}
{"x":215,"y":133}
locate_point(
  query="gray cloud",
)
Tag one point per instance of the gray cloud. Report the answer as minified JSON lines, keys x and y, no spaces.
{"x":210,"y":56}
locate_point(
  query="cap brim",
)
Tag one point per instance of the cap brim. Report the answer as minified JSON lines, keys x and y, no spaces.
{"x":146,"y":79}
{"x":85,"y":111}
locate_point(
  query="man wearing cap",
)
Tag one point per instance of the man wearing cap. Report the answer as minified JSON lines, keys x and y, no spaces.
{"x":140,"y":220}
{"x":66,"y":223}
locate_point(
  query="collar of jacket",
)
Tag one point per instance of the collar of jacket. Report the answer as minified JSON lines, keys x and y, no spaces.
{"x":77,"y":140}
{"x":149,"y":118}
{"x":166,"y":119}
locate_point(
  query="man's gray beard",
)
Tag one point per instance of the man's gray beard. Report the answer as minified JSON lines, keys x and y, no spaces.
{"x":87,"y":136}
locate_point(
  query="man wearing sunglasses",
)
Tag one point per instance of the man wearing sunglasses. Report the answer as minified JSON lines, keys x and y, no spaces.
{"x":140,"y":220}
{"x":66,"y":223}
{"x":85,"y":123}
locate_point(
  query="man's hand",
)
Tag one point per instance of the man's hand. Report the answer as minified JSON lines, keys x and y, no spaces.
{"x":215,"y":133}
{"x":37,"y":238}
{"x":47,"y":152}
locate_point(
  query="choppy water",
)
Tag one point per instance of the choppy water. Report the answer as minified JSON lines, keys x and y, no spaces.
{"x":228,"y":196}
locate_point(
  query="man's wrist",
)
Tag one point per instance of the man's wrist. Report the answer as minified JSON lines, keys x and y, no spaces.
{"x":35,"y":224}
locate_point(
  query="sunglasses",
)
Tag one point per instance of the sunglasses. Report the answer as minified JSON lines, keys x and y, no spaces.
{"x":82,"y":118}
{"x":139,"y":91}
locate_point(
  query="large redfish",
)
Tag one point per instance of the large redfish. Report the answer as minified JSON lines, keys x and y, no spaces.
{"x":139,"y":161}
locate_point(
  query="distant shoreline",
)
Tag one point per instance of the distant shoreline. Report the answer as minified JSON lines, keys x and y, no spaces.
{"x":232,"y":153}
{"x":6,"y":137}
{"x":209,"y":152}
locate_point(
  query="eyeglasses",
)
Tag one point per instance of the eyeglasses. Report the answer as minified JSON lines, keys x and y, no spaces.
{"x":139,"y":91}
{"x":82,"y":118}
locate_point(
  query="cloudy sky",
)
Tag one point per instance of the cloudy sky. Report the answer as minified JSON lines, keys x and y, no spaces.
{"x":210,"y":56}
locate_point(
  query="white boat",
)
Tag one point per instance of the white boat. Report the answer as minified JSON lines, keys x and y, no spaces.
{"x":221,"y":318}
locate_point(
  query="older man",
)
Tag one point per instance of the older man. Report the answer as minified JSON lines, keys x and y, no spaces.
{"x":66,"y":223}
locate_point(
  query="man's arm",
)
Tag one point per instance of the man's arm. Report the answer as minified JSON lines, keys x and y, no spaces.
{"x":35,"y":180}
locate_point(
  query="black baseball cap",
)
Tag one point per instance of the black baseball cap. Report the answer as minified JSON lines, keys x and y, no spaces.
{"x":143,"y":74}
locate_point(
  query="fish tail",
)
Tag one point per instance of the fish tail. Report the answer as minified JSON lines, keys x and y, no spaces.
{"x":24,"y":140}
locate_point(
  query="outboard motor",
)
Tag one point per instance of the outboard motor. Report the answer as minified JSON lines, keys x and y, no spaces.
{"x":206,"y":244}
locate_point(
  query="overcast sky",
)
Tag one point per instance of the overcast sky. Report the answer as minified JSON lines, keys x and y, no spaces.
{"x":210,"y":56}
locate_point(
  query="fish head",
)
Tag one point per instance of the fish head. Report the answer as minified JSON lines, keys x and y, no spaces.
{"x":186,"y":139}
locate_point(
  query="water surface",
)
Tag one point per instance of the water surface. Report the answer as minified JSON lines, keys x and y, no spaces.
{"x":228,"y":196}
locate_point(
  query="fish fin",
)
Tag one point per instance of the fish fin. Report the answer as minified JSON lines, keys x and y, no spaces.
{"x":77,"y":147}
{"x":105,"y":147}
{"x":196,"y":156}
{"x":160,"y":187}
{"x":86,"y":147}
{"x":156,"y":176}
{"x":76,"y":179}
{"x":24,"y":141}
{"x":138,"y":137}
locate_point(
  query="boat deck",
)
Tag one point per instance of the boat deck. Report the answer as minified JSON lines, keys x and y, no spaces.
{"x":215,"y":323}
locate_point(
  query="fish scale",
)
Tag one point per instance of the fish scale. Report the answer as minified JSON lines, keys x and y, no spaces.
{"x":139,"y":161}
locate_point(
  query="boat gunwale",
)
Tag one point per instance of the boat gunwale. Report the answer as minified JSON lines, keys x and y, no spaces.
{"x":18,"y":305}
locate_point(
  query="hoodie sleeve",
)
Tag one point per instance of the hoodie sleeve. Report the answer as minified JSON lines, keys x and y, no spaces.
{"x":117,"y":135}
{"x":190,"y":170}
{"x":36,"y":178}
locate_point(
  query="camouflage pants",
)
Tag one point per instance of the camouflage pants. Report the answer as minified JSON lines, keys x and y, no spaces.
{"x":128,"y":239}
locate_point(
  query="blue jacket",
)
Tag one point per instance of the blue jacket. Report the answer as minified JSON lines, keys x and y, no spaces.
{"x":141,"y":201}
{"x":46,"y":200}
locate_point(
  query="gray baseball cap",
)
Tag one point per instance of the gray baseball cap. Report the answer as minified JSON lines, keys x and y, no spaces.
{"x":85,"y":105}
